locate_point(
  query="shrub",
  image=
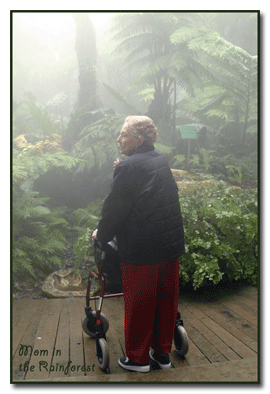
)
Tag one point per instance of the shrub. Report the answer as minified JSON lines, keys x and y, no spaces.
{"x":84,"y":220}
{"x":38,"y":235}
{"x":221,"y":233}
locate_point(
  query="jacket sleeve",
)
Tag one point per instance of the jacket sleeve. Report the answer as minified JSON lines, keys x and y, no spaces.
{"x":117,"y":205}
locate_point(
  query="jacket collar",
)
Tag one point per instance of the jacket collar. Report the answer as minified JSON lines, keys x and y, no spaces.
{"x":142,"y":149}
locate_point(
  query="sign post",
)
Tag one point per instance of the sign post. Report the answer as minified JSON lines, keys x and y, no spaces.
{"x":188,"y":133}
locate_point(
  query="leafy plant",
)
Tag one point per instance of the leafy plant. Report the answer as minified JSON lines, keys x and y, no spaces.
{"x":84,"y":220}
{"x":38,"y":234}
{"x":97,"y":144}
{"x":235,"y":174}
{"x":178,"y":160}
{"x":33,"y":119}
{"x":221,"y":232}
{"x":82,"y":246}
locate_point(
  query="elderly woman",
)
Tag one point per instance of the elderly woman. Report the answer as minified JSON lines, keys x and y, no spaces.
{"x":143,"y":211}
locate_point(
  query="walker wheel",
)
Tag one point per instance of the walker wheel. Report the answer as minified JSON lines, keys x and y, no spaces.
{"x":90,"y":328}
{"x":181,"y":340}
{"x":103,"y":355}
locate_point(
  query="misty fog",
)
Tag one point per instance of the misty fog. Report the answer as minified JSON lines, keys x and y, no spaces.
{"x":77,"y":76}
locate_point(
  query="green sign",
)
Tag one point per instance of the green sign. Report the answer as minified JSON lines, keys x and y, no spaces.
{"x":188,"y":132}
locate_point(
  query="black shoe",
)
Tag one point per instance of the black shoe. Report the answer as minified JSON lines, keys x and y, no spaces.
{"x":125,"y":363}
{"x":163,"y":360}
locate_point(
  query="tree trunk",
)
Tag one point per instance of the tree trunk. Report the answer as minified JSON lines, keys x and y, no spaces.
{"x":86,"y":54}
{"x":247,"y":111}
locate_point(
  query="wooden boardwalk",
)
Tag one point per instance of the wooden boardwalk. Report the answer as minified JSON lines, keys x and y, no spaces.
{"x":49,"y":345}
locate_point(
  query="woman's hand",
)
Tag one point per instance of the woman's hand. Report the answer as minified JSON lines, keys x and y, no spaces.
{"x":94,"y":235}
{"x":116,"y":162}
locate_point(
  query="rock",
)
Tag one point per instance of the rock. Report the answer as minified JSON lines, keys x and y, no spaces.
{"x":64,"y":283}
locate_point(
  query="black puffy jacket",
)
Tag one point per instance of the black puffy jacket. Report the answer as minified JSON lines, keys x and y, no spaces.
{"x":142,"y":210}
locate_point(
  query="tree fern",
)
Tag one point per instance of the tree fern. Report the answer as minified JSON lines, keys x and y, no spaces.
{"x":97,"y":144}
{"x":227,"y":66}
{"x":166,"y":150}
{"x":33,"y":119}
{"x":121,"y":98}
{"x":30,"y":160}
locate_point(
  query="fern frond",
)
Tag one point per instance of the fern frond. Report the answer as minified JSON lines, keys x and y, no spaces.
{"x":82,"y":216}
{"x":55,"y":261}
{"x":24,"y":264}
{"x":19,"y":173}
{"x":166,"y":150}
{"x":41,"y":118}
{"x":120,"y":98}
{"x":186,"y":33}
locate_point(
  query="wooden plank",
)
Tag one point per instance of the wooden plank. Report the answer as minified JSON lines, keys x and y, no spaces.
{"x":250,"y":303}
{"x":60,"y":356}
{"x":238,"y":308}
{"x":90,"y":359}
{"x":216,"y":332}
{"x":238,"y":371}
{"x":249,"y":292}
{"x":76,"y":338}
{"x":193,"y":357}
{"x":27,"y":309}
{"x":230,"y":372}
{"x":20,"y":308}
{"x":244,"y":303}
{"x":115,"y":311}
{"x":22,"y":354}
{"x":115,"y":348}
{"x":224,"y":352}
{"x":89,"y":349}
{"x":206,"y":347}
{"x":239,"y":347}
{"x":16,"y":306}
{"x":89,"y":344}
{"x":45,"y":341}
{"x":234,"y":323}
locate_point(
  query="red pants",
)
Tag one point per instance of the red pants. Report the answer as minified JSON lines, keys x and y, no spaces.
{"x":151,"y":304}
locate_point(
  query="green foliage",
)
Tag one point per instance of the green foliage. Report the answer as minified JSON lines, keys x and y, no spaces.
{"x":82,"y":246}
{"x":178,"y":160}
{"x":31,"y":160}
{"x":195,"y":160}
{"x":206,"y":157}
{"x":84,"y":220}
{"x":163,"y":148}
{"x":97,"y":144}
{"x":194,"y":74}
{"x":88,"y":216}
{"x":119,"y":97}
{"x":33,"y":119}
{"x":221,"y":233}
{"x":235,"y":174}
{"x":39,"y":234}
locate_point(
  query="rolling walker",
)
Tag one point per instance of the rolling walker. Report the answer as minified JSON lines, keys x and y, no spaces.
{"x":95,"y":323}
